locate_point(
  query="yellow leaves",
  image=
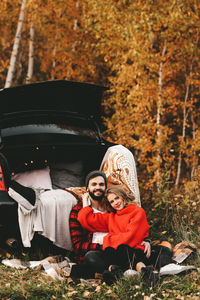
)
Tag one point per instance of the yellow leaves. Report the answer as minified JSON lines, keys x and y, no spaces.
{"x":120,"y":43}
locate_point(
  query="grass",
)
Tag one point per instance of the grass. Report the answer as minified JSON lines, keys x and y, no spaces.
{"x":15,"y":284}
{"x":167,"y":223}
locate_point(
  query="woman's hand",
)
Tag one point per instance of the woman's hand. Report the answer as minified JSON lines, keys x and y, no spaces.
{"x":100,"y":240}
{"x":85,"y":199}
{"x":147,"y":248}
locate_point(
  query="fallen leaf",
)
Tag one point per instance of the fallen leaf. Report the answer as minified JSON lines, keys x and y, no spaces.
{"x":71,"y":293}
{"x":164,"y":232}
{"x":98,"y":288}
{"x":69,"y":280}
{"x":86,"y":293}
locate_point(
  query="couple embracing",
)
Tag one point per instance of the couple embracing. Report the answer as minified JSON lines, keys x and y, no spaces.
{"x":110,"y":234}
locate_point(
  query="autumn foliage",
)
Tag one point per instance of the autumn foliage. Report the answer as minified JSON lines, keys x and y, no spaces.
{"x":146,"y":52}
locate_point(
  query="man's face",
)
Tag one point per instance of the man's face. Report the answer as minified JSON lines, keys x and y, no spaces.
{"x":96,"y":188}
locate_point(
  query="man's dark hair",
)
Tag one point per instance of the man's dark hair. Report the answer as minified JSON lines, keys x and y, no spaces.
{"x":94,"y":174}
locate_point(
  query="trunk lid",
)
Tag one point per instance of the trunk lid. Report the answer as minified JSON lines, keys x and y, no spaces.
{"x":59,"y":95}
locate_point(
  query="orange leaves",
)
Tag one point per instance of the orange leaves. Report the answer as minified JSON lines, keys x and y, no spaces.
{"x":147,"y":33}
{"x":120,"y":44}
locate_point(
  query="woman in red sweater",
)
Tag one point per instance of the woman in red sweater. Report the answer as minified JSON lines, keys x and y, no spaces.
{"x":125,"y":224}
{"x":127,"y":227}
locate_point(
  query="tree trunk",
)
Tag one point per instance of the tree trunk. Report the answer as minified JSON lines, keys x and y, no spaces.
{"x":31,"y":54}
{"x":195,"y":159}
{"x":11,"y":70}
{"x":183,"y":134}
{"x":158,"y":119}
{"x":54,"y":60}
{"x":54,"y":52}
{"x":76,"y":25}
{"x":19,"y":64}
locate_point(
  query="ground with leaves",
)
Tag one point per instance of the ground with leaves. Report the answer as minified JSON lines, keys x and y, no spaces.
{"x":15,"y":284}
{"x":171,"y":216}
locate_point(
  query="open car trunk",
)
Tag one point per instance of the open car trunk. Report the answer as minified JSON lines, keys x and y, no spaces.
{"x":49,"y":125}
{"x":69,"y":148}
{"x":68,"y":164}
{"x":69,"y":145}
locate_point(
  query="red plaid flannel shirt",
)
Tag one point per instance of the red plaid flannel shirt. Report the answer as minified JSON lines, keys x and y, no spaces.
{"x":81,"y":238}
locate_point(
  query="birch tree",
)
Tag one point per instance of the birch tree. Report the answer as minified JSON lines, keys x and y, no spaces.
{"x":11,"y":70}
{"x":31,"y":53}
{"x":185,"y":115}
{"x":195,"y":160}
{"x":159,"y":113}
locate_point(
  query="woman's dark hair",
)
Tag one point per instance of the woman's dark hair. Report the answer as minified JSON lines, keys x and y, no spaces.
{"x":119,"y":191}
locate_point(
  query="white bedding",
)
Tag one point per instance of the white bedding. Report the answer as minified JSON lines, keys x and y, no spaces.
{"x":49,"y":217}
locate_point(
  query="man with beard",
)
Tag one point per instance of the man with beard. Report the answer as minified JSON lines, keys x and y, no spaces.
{"x":83,"y":240}
{"x":86,"y":244}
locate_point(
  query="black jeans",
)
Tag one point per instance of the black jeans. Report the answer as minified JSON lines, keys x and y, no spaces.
{"x":124,"y":256}
{"x":98,"y":261}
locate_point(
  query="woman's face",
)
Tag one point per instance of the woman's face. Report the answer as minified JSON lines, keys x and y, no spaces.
{"x":116,"y":201}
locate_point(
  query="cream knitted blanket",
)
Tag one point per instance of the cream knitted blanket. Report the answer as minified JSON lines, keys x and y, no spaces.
{"x":119,"y":166}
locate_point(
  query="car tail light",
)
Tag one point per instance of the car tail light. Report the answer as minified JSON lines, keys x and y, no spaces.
{"x":2,"y":181}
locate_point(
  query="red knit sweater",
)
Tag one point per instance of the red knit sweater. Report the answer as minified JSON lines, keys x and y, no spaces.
{"x":128,"y":226}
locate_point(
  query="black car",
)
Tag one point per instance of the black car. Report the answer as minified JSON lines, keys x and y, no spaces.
{"x":54,"y":124}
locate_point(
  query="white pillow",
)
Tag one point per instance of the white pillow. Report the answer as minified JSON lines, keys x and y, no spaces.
{"x":36,"y":179}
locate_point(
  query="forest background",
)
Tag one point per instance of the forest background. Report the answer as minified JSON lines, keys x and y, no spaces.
{"x":147,"y":53}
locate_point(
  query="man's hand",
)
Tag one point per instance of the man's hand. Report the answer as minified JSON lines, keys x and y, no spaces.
{"x":85,"y":199}
{"x":147,"y":248}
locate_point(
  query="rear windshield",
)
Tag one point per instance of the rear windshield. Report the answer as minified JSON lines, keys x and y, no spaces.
{"x":48,"y":128}
{"x":70,"y":126}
